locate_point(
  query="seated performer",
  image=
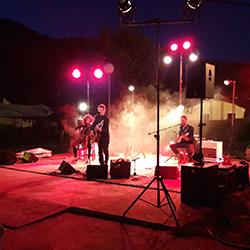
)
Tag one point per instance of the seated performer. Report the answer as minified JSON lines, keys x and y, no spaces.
{"x":84,"y":136}
{"x":100,"y":128}
{"x":185,"y":139}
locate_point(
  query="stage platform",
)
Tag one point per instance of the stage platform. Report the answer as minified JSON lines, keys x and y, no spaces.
{"x":144,"y":167}
{"x":69,"y":212}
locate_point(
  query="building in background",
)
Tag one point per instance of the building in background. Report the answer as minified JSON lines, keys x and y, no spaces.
{"x":22,"y":125}
{"x":22,"y":116}
{"x":214,"y":110}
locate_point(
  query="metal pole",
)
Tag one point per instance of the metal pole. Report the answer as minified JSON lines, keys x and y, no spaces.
{"x":109,"y":97}
{"x":158,"y":116}
{"x":231,"y":139}
{"x":181,"y":79}
{"x":233,"y":105}
{"x":88,"y":92}
{"x":201,"y":158}
{"x":132,"y":99}
{"x":201,"y":124}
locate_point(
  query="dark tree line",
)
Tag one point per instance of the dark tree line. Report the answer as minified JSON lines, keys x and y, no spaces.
{"x":37,"y":69}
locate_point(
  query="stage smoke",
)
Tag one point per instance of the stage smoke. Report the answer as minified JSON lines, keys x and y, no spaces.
{"x":69,"y":122}
{"x":131,"y":123}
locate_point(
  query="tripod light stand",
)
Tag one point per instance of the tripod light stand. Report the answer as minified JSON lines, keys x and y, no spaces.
{"x":127,"y":9}
{"x":166,"y":200}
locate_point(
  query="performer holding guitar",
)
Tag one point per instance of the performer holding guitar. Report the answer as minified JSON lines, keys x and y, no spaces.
{"x":186,"y":138}
{"x":101,"y":133}
{"x":84,"y":136}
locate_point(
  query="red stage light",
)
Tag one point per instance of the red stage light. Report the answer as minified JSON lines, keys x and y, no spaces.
{"x":98,"y":73}
{"x":76,"y":73}
{"x":174,"y":47}
{"x":186,"y":45}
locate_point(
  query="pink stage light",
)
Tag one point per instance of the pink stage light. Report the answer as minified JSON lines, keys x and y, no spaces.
{"x":76,"y":73}
{"x":98,"y":73}
{"x":174,"y":47}
{"x":186,"y":45}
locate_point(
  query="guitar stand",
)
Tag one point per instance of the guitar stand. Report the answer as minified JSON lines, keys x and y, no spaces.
{"x":134,"y":160}
{"x":135,"y":175}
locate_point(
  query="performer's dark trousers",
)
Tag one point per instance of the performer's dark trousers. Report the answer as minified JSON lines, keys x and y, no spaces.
{"x":103,"y":149}
{"x":187,"y":146}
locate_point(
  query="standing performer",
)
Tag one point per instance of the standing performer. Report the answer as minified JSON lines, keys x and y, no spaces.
{"x":101,"y":132}
{"x":185,"y":139}
{"x":84,"y":136}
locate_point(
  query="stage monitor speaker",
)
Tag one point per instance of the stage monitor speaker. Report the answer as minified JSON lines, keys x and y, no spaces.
{"x":200,"y":185}
{"x":66,"y":168}
{"x":168,"y":172}
{"x":200,"y":79}
{"x":7,"y":158}
{"x":97,"y":172}
{"x":29,"y":157}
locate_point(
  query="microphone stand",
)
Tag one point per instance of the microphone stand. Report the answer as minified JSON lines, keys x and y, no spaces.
{"x":134,"y":160}
{"x":150,"y":133}
{"x":153,"y":132}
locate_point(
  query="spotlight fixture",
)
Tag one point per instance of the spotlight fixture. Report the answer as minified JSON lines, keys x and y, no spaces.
{"x":125,"y":6}
{"x":131,"y":88}
{"x":83,"y":106}
{"x":194,"y":4}
{"x":173,"y":47}
{"x":193,"y":57}
{"x":167,"y":59}
{"x":98,"y":73}
{"x":76,"y":73}
{"x":186,"y":45}
{"x":180,"y":108}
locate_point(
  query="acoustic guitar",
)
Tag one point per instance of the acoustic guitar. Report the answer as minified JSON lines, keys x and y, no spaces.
{"x":95,"y":135}
{"x":184,"y":137}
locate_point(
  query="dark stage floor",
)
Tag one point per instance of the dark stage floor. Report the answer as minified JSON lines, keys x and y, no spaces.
{"x":44,"y":211}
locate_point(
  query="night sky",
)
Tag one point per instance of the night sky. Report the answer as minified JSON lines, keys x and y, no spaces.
{"x":222,"y":33}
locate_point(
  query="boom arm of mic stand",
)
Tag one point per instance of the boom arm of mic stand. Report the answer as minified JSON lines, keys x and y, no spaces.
{"x":153,"y":132}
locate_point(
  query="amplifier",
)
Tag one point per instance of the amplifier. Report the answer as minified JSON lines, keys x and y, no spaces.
{"x":168,"y":172}
{"x":120,"y":168}
{"x":212,"y":150}
{"x":29,"y":157}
